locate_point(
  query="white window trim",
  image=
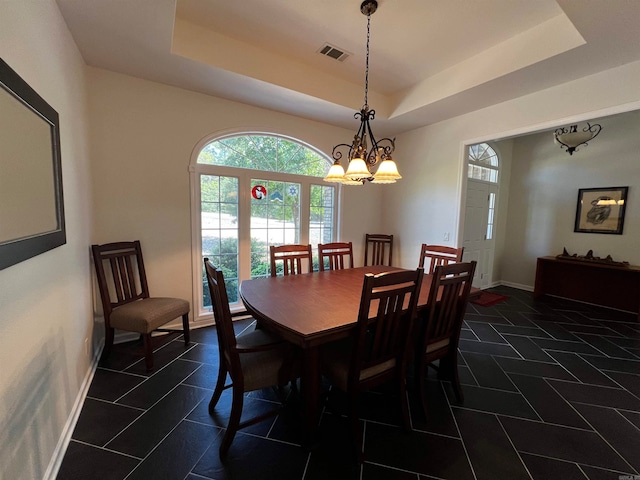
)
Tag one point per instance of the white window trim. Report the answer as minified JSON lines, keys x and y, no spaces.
{"x":202,"y":316}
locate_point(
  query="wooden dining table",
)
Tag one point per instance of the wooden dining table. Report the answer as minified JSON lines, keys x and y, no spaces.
{"x":310,"y":310}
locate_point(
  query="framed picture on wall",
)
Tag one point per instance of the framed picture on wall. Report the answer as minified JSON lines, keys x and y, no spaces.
{"x":601,"y":210}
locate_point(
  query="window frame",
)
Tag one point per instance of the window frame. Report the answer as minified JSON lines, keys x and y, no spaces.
{"x":244,"y":176}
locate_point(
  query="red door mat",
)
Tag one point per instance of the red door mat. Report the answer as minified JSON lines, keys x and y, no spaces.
{"x":486,"y":299}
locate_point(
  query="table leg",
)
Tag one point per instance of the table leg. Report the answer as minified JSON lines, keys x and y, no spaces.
{"x":310,"y":386}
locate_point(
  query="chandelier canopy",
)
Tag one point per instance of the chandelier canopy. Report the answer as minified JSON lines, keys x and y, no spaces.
{"x":362,"y":158}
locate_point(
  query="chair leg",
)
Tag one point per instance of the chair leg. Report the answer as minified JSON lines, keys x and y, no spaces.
{"x":222,"y":378}
{"x":148,"y":351}
{"x":108,"y":341}
{"x":452,"y":366}
{"x":185,"y":329}
{"x":404,"y":403}
{"x":234,"y":421}
{"x":420,"y":372}
{"x":354,"y":420}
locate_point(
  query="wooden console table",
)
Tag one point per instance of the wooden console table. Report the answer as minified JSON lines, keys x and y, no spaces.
{"x":607,"y":285}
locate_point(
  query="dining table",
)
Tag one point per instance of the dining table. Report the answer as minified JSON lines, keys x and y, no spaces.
{"x":310,"y":310}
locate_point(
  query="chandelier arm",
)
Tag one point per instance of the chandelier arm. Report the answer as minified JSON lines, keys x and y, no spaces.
{"x":337,"y":154}
{"x":361,"y":158}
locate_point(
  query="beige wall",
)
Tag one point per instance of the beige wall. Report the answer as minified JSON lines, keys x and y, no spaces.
{"x":542,"y":212}
{"x":133,"y":182}
{"x":45,"y":302}
{"x":143,"y":135}
{"x":432,"y":160}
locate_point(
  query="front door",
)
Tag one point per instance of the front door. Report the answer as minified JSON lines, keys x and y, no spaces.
{"x":479,"y":232}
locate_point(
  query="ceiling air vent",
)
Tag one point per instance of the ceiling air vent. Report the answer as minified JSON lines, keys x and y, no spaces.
{"x":333,"y":52}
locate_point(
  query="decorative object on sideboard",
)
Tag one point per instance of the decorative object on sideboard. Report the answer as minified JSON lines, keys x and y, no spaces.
{"x":590,"y":258}
{"x":571,"y":138}
{"x":362,"y":158}
{"x":601,"y":210}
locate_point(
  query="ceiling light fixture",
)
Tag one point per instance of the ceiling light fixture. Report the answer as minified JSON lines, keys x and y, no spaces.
{"x":571,"y":139}
{"x":362,"y":158}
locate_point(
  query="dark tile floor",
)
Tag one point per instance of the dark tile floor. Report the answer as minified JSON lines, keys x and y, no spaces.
{"x":552,"y":391}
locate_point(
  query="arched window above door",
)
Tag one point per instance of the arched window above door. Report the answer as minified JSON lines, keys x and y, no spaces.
{"x":483,"y":163}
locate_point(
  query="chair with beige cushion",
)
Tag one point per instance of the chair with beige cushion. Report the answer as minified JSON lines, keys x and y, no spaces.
{"x":335,"y":254}
{"x":378,"y":249}
{"x":254,"y":360}
{"x":438,"y":328}
{"x":377,"y":351}
{"x":439,"y":255}
{"x":126,"y":302}
{"x":291,"y":257}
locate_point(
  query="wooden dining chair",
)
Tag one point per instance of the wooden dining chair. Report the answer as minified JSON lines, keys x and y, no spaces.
{"x":335,"y":253}
{"x":438,"y":328}
{"x":126,"y":302}
{"x":439,"y":255}
{"x":378,"y":249}
{"x":377,"y":351}
{"x":253,"y":360}
{"x":291,"y":257}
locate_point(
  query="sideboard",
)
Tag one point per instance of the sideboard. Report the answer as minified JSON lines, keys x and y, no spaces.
{"x":614,"y":286}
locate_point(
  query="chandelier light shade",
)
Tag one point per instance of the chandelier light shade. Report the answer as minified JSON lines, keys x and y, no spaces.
{"x":571,"y":138}
{"x":369,"y":159}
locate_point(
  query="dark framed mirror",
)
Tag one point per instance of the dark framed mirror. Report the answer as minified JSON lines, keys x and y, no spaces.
{"x":31,"y":201}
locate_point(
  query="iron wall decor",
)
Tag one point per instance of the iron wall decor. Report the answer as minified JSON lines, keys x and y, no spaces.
{"x":601,"y":210}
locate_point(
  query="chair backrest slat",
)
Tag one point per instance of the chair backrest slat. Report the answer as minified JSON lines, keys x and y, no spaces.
{"x":447,"y":303}
{"x":439,"y":255}
{"x":378,"y":249}
{"x":335,"y":253}
{"x":291,"y":256}
{"x":395,"y":297}
{"x":223,"y":319}
{"x":126,"y":279}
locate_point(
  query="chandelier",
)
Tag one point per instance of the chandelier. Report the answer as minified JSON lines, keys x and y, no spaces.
{"x":571,"y":139}
{"x":362,"y":159}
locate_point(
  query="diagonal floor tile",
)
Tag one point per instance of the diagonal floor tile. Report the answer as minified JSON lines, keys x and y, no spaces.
{"x":144,"y":434}
{"x":544,"y":468}
{"x":550,"y":406}
{"x":491,"y":453}
{"x":178,"y":453}
{"x":622,"y":435}
{"x":563,"y":443}
{"x":99,"y":422}
{"x":487,"y":372}
{"x":596,"y":395}
{"x":85,"y":461}
{"x":582,"y":370}
{"x":424,"y":453}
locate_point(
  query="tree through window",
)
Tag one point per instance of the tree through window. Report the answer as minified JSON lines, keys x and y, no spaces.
{"x":257,"y":190}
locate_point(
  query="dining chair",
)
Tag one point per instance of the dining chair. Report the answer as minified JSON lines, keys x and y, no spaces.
{"x":438,"y":328}
{"x":439,"y":255}
{"x":378,"y":349}
{"x":126,"y":302}
{"x":253,"y":360}
{"x":291,"y":257}
{"x":378,"y":249}
{"x":335,"y":253}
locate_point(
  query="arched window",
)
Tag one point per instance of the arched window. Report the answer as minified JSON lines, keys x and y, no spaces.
{"x":483,"y":163}
{"x":250,"y":191}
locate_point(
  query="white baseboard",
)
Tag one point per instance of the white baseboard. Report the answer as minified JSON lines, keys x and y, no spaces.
{"x":58,"y":454}
{"x":519,"y":286}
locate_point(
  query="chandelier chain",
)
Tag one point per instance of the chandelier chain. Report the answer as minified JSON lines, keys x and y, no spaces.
{"x":366,"y":71}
